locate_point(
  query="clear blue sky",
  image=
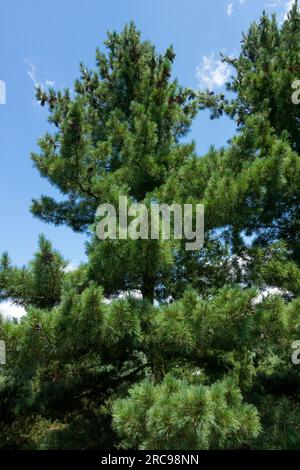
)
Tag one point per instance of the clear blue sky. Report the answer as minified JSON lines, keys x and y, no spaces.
{"x":45,"y":41}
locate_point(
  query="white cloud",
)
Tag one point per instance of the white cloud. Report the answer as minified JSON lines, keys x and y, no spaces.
{"x":229,"y":9}
{"x":287,"y":7}
{"x":242,"y":1}
{"x":212,"y":73}
{"x":282,"y":6}
{"x":10,"y":310}
{"x":72,"y":266}
{"x":32,"y":74}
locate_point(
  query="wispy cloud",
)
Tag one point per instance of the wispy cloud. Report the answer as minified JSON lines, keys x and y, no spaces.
{"x":287,"y":7}
{"x":72,"y":266}
{"x":212,"y":72}
{"x":229,"y":9}
{"x":282,"y":6}
{"x":32,"y":74}
{"x":231,"y":5}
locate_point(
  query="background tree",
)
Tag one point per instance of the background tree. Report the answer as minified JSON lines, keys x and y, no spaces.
{"x":260,"y":169}
{"x":39,"y":284}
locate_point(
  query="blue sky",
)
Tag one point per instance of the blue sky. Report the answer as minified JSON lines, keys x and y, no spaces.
{"x":45,"y":41}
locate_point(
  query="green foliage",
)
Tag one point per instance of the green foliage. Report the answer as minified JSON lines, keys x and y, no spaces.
{"x":39,"y":284}
{"x":264,"y":72}
{"x":177,"y":415}
{"x":259,"y":172}
{"x":280,"y":418}
{"x":207,"y":366}
{"x":118,"y":135}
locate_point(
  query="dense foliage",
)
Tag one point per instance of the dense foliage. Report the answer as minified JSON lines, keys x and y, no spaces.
{"x":202,"y":358}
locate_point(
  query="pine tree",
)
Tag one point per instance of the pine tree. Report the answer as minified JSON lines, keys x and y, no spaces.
{"x":263,"y":76}
{"x":178,"y":415}
{"x":119,"y":135}
{"x":260,"y":169}
{"x":211,"y":368}
{"x":39,"y":284}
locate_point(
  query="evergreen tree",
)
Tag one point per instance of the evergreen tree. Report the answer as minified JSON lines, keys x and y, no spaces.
{"x":263,"y":77}
{"x":211,"y":368}
{"x":177,"y":415}
{"x":119,"y":136}
{"x":260,"y":170}
{"x":40,"y":284}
